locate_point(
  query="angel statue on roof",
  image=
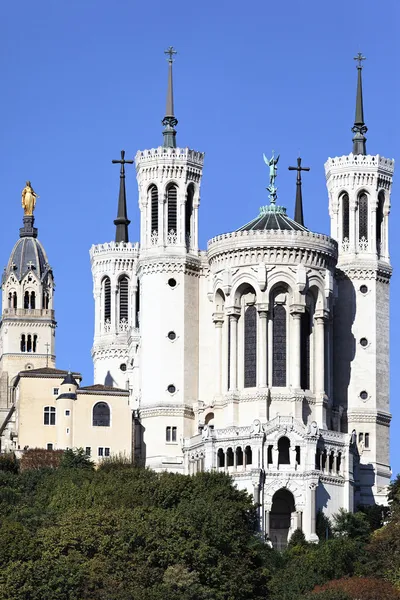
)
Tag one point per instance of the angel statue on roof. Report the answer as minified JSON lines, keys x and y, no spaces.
{"x":28,"y":199}
{"x":273,"y":171}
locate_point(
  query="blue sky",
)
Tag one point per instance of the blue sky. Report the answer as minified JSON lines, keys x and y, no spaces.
{"x":82,"y":79}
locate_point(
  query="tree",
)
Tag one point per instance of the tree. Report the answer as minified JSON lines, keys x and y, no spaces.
{"x":351,"y":525}
{"x":75,"y":459}
{"x":358,"y":588}
{"x":324,"y":527}
{"x":297,"y":539}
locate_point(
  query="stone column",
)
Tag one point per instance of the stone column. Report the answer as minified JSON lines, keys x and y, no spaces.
{"x":233,"y":322}
{"x":132,"y":312}
{"x":372,"y":227}
{"x":218,"y":319}
{"x":385,"y":232}
{"x":262,"y":348}
{"x":353,"y":241}
{"x":319,"y":371}
{"x":295,"y":343}
{"x":313,"y":511}
{"x":97,"y":311}
{"x":162,"y":239}
{"x":266,"y":524}
{"x":114,"y":312}
{"x":269,"y":351}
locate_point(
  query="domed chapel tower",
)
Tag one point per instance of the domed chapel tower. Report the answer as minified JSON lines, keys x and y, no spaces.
{"x":169,"y":194}
{"x":359,"y":186}
{"x":27,"y":329}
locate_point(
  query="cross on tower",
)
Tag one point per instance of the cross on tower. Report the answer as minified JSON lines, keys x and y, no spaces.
{"x":31,"y":264}
{"x":122,"y":162}
{"x":360,"y":58}
{"x":171,"y":51}
{"x":299,"y":169}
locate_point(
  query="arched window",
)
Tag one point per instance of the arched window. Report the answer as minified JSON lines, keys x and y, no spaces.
{"x":220,"y":458}
{"x":363,"y":217}
{"x":29,"y":343}
{"x":107,"y":298}
{"x":23,"y":343}
{"x":154,"y":208}
{"x":137,"y":316}
{"x":379,"y":223}
{"x":279,"y":346}
{"x":33,"y":300}
{"x":248,"y":455}
{"x":123,"y":298}
{"x":250,"y":346}
{"x":45,"y":300}
{"x":239,"y":457}
{"x":284,"y":451}
{"x":229,"y":457}
{"x":34,"y":343}
{"x":14,"y":299}
{"x":101,"y":415}
{"x":345,"y":217}
{"x":172,"y":206}
{"x":188,"y":213}
{"x":26,"y":300}
{"x":49,"y":415}
{"x":305,"y":350}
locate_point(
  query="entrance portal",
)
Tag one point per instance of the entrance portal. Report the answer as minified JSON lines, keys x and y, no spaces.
{"x":281,"y":518}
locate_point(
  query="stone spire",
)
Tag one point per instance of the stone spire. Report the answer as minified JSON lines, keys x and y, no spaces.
{"x":359,"y":128}
{"x":122,"y":222}
{"x":298,"y":211}
{"x":169,"y":120}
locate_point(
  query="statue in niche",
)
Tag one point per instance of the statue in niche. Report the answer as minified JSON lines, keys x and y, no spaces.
{"x":28,"y":199}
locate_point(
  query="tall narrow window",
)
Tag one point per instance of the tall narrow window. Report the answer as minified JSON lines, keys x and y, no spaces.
{"x":23,"y":343}
{"x":34,"y":343}
{"x":33,"y":300}
{"x":379,"y":223}
{"x":305,"y":350}
{"x":168,"y":434}
{"x":10,"y":300}
{"x":49,"y":415}
{"x":45,"y":300}
{"x":188,"y":213}
{"x":345,"y":217}
{"x":107,"y":299}
{"x":172,"y":208}
{"x":123,"y":298}
{"x":101,"y":415}
{"x":154,"y":208}
{"x":284,"y":451}
{"x":26,"y":300}
{"x":14,"y":299}
{"x":250,"y":347}
{"x":279,"y":346}
{"x":29,"y":343}
{"x":363,"y":217}
{"x":137,"y":316}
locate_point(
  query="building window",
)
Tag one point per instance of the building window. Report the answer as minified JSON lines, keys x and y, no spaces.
{"x":284,"y":451}
{"x":172,"y":204}
{"x":123,"y":298}
{"x":100,"y":452}
{"x":220,"y":458}
{"x":67,"y":413}
{"x":366,"y":440}
{"x":171,"y":434}
{"x":250,"y":347}
{"x":360,"y":438}
{"x":101,"y":415}
{"x":107,"y":298}
{"x":55,"y":391}
{"x":49,"y":446}
{"x":188,"y":214}
{"x":88,"y":450}
{"x":279,"y":346}
{"x":23,"y":343}
{"x":345,"y":217}
{"x":45,"y":300}
{"x":29,"y":343}
{"x":305,"y":350}
{"x":49,"y":415}
{"x":67,"y":430}
{"x":171,"y":388}
{"x":248,"y":455}
{"x":379,"y":222}
{"x":154,"y":209}
{"x":363,"y":217}
{"x":106,"y":451}
{"x":34,"y":345}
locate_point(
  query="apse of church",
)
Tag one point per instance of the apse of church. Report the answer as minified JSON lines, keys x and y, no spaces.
{"x":265,"y":356}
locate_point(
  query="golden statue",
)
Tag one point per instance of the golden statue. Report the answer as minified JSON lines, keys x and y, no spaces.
{"x":29,"y":199}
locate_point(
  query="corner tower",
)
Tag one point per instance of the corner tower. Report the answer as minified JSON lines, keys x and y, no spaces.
{"x":359,"y":186}
{"x":27,"y":328}
{"x":169,"y":180}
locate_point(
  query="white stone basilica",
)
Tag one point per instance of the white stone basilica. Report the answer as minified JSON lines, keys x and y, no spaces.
{"x":265,"y":356}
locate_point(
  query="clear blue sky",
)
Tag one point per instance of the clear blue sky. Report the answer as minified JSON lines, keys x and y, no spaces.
{"x":82,"y":79}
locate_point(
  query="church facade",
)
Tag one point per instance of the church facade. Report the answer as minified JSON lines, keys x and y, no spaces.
{"x":265,"y":356}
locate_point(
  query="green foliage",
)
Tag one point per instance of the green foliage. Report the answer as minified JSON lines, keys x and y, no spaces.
{"x":376,"y":515}
{"x":298,"y":539}
{"x":351,"y":525}
{"x":75,"y":459}
{"x":9,"y":463}
{"x":329,"y":595}
{"x":324,"y":527}
{"x":358,"y":588}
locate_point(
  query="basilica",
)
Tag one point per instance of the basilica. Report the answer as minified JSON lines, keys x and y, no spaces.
{"x":265,"y":355}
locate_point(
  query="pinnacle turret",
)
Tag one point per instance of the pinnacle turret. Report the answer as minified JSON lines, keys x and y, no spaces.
{"x":170,"y":120}
{"x":359,"y":128}
{"x":122,"y":222}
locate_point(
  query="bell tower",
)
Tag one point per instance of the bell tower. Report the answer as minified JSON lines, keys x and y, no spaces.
{"x":359,"y":186}
{"x":169,"y":180}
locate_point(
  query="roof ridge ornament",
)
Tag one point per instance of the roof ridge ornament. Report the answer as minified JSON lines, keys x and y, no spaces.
{"x":170,"y":121}
{"x":359,"y":128}
{"x":273,"y":173}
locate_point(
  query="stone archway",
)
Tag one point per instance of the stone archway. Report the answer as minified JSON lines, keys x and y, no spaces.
{"x":281,"y":518}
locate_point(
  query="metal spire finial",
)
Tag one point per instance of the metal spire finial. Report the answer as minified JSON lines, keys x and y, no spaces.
{"x":298,"y":211}
{"x":169,"y":120}
{"x":359,"y":128}
{"x":122,"y":222}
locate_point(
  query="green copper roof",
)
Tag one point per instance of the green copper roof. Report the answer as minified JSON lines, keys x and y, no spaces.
{"x":273,"y":217}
